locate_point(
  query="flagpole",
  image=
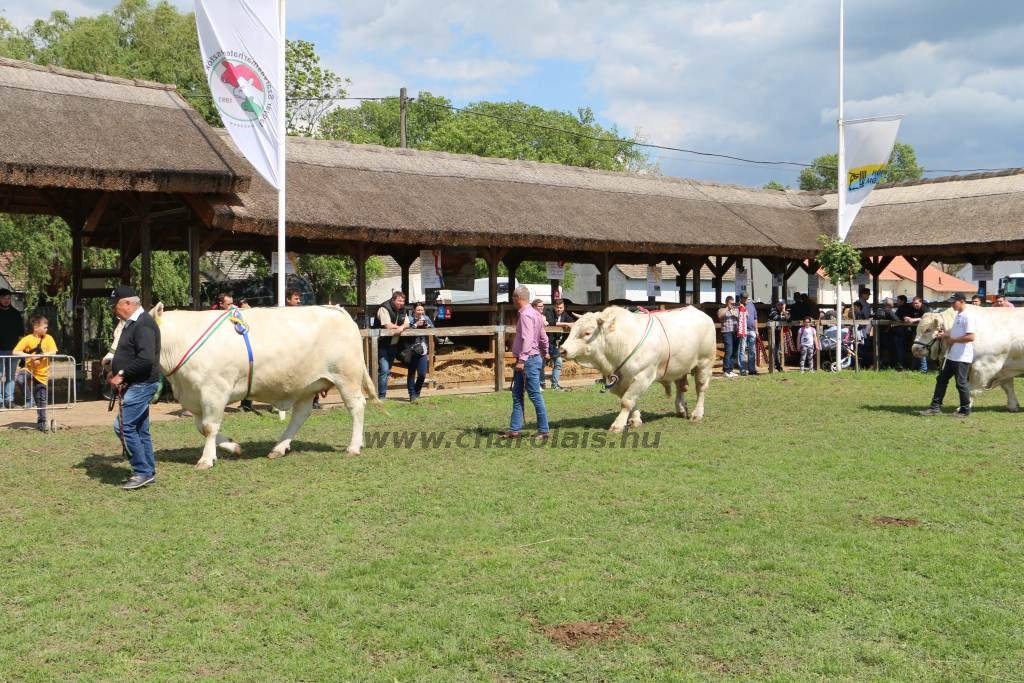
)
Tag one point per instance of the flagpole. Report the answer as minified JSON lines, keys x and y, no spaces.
{"x":841,"y":196}
{"x":281,"y":165}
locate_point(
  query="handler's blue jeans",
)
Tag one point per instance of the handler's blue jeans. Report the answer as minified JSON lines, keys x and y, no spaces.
{"x":530,"y":377}
{"x":135,"y":407}
{"x":386,"y":352}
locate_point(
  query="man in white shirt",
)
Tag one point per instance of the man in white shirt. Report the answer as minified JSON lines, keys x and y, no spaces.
{"x":959,"y":357}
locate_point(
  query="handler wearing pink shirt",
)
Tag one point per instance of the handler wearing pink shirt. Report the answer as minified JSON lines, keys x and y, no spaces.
{"x":529,"y":348}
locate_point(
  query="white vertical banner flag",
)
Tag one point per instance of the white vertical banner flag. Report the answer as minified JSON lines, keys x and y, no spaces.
{"x":241,"y":42}
{"x":868,"y":144}
{"x":430,"y":269}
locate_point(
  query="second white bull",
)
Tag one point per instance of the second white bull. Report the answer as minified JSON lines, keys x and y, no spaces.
{"x":634,"y":350}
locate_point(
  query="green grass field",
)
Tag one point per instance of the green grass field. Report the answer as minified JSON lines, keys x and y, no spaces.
{"x":811,"y":528}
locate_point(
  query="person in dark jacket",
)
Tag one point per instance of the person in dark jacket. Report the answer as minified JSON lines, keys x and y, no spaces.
{"x":136,"y":372}
{"x":12,"y":328}
{"x":557,"y":317}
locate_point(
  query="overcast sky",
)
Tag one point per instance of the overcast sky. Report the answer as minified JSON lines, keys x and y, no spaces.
{"x":750,"y":78}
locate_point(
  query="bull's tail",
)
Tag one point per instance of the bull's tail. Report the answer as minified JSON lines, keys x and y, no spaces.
{"x":370,"y":388}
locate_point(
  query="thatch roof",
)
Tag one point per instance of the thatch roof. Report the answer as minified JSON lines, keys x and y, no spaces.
{"x":341,"y":191}
{"x":980,"y":214}
{"x":67,"y":129}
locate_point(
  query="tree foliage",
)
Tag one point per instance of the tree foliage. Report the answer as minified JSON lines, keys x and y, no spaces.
{"x":310,"y":89}
{"x":775,"y":185}
{"x":839,"y":260}
{"x":821,"y":174}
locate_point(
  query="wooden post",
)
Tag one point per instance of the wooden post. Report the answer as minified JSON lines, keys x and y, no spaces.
{"x":772,"y":327}
{"x":78,"y":329}
{"x":696,"y":284}
{"x":499,"y":357}
{"x":360,"y":256}
{"x":604,"y":265}
{"x":374,"y":345}
{"x":146,"y":254}
{"x":193,"y":264}
{"x":920,"y":264}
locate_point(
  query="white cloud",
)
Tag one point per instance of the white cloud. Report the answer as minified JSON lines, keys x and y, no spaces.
{"x":467,"y":69}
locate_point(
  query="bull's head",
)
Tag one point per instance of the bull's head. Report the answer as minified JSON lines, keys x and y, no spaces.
{"x":586,"y":333}
{"x":926,"y":343}
{"x":157,"y":312}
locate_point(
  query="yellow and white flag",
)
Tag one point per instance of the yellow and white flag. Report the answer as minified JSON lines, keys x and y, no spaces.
{"x":868,"y":144}
{"x":242,"y":47}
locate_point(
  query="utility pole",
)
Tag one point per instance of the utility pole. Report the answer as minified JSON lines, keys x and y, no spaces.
{"x":402,"y":99}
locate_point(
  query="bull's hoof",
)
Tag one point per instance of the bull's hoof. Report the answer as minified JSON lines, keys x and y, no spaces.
{"x":352,"y":451}
{"x":683,"y":413}
{"x":616,"y":430}
{"x":277,"y":454}
{"x":203,"y":465}
{"x":636,"y":423}
{"x":697,"y":417}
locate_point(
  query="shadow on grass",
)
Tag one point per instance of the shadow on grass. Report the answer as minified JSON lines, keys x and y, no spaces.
{"x":107,"y":469}
{"x":114,"y":469}
{"x":913,"y":410}
{"x":251,"y":450}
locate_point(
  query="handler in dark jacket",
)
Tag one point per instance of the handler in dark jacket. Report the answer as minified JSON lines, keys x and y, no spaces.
{"x":136,"y":365}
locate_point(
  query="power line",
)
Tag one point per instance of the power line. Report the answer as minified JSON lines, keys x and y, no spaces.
{"x":611,"y":140}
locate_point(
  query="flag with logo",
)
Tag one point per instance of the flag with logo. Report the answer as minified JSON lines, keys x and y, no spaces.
{"x":868,"y":144}
{"x":241,"y":44}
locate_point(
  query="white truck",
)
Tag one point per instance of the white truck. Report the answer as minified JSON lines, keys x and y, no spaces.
{"x":1012,"y":287}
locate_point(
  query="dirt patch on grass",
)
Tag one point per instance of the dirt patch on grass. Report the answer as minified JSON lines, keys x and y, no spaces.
{"x":895,"y":521}
{"x":574,"y":635}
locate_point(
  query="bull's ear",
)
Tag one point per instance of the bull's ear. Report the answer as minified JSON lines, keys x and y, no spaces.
{"x":607,"y":317}
{"x":157,"y":311}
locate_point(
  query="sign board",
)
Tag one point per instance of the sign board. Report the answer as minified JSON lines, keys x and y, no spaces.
{"x":654,"y":281}
{"x":556,"y":270}
{"x":430,"y":269}
{"x":982,"y":272}
{"x":289,"y":263}
{"x":741,"y":281}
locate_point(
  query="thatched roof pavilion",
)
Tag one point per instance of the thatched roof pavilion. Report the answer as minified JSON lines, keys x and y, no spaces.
{"x":978,"y":216}
{"x":341,"y":191}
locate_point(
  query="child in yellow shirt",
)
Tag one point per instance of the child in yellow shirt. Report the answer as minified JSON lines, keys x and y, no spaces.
{"x":37,"y":370}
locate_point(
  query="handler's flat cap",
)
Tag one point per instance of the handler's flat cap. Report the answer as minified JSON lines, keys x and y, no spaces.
{"x":958,"y":297}
{"x":4,"y":291}
{"x":121,"y":292}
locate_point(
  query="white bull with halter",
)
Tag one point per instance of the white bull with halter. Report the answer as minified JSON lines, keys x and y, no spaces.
{"x":282,"y":356}
{"x":998,"y":347}
{"x":633,"y":351}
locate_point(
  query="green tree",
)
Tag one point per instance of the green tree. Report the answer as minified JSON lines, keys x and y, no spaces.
{"x":775,"y":185}
{"x":311,"y":90}
{"x":530,"y":272}
{"x":821,"y":174}
{"x":377,"y":121}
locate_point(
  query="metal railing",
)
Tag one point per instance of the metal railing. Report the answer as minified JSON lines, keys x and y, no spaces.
{"x":61,"y":384}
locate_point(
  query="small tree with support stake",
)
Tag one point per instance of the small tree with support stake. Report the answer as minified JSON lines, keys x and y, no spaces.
{"x":840,"y":261}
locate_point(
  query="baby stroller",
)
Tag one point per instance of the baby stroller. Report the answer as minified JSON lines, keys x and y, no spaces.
{"x":851,"y":338}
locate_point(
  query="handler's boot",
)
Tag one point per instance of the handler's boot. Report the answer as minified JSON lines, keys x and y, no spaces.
{"x":930,"y":410}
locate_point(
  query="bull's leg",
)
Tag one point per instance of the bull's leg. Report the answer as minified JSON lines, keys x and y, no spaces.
{"x":634,"y":418}
{"x":681,"y":385}
{"x":1011,"y":396}
{"x":300,"y":411}
{"x":628,"y":400}
{"x":352,"y":393}
{"x":208,"y":423}
{"x":701,"y":378}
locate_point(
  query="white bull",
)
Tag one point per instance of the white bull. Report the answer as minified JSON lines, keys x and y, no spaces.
{"x":998,"y":347}
{"x":632,"y":351}
{"x":297,"y":352}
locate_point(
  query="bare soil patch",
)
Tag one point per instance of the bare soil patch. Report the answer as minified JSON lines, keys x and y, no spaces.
{"x":574,"y":635}
{"x":895,"y":521}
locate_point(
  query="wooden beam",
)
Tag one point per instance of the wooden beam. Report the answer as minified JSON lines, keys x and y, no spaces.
{"x":194,"y":240}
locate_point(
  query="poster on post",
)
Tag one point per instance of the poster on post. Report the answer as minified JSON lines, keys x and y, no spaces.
{"x":430,"y":269}
{"x":654,"y":281}
{"x":556,"y":270}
